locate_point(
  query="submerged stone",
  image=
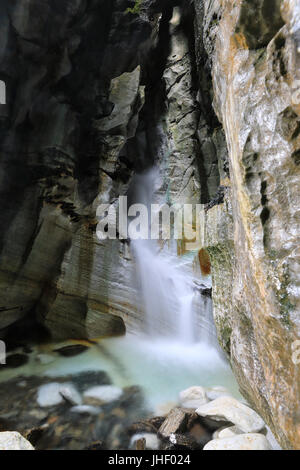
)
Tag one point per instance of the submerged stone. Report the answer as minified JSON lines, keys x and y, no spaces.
{"x":225,"y":432}
{"x":103,"y":394}
{"x":55,"y":393}
{"x":86,"y":409}
{"x":72,"y":350}
{"x":70,"y":395}
{"x":193,"y":397}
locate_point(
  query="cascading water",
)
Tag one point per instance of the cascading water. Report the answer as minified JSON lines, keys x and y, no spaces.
{"x":167,"y":288}
{"x":167,"y":295}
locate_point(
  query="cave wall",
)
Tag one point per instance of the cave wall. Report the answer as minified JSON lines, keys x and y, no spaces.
{"x":253,"y":236}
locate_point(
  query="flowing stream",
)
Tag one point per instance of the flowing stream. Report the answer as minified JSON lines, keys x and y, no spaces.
{"x":167,"y":294}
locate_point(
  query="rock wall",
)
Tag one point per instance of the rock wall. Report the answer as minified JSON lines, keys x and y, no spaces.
{"x":253,"y":237}
{"x":72,"y":73}
{"x":96,"y":91}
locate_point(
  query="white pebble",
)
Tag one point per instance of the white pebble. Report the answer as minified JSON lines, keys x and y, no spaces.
{"x":104,"y":393}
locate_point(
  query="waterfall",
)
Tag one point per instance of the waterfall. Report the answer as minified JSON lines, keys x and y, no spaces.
{"x":167,"y":289}
{"x":166,"y":293}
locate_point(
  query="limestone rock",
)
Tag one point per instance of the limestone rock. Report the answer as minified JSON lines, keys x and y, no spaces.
{"x":230,"y":409}
{"x":251,"y":235}
{"x":242,"y":442}
{"x":49,"y":394}
{"x":14,"y":441}
{"x":162,"y":409}
{"x":86,"y":409}
{"x":193,"y":397}
{"x":54,"y":393}
{"x":226,"y":432}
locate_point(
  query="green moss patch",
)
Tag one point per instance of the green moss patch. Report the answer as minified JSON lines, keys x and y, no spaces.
{"x":135,"y":10}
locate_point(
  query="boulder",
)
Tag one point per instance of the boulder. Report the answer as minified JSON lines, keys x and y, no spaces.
{"x":70,"y":395}
{"x":213,"y":393}
{"x":193,"y":397}
{"x":49,"y":395}
{"x":225,"y":432}
{"x":54,"y":393}
{"x":45,"y":359}
{"x":152,"y":441}
{"x":241,"y":442}
{"x":14,"y":441}
{"x":102,"y":394}
{"x":251,"y":236}
{"x":230,"y":409}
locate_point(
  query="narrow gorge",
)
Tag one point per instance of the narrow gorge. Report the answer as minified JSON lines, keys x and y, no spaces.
{"x":164,"y":102}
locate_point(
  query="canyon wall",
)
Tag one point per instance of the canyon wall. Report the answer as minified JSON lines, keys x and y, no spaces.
{"x":253,"y":237}
{"x":99,"y":90}
{"x":73,"y":78}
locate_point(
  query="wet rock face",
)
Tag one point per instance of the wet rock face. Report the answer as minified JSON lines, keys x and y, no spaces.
{"x":92,"y":98}
{"x":58,"y":153}
{"x":259,"y":21}
{"x":252,"y":236}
